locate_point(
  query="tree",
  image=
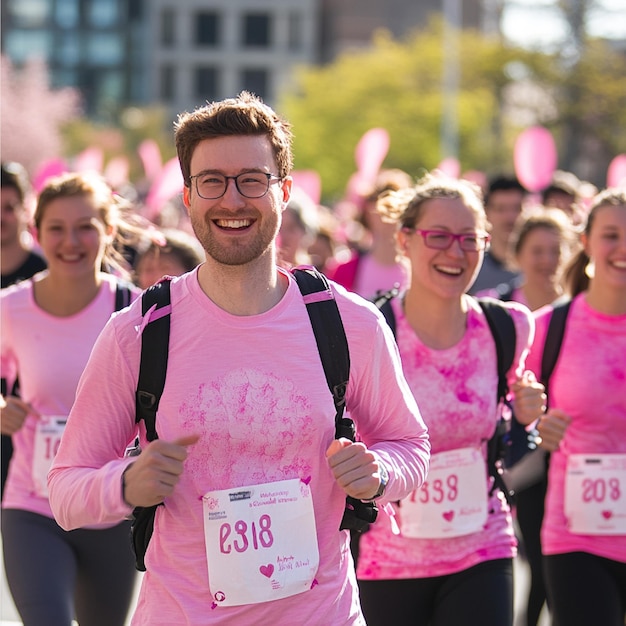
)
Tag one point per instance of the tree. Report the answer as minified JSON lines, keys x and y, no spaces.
{"x":397,"y":85}
{"x":32,"y":115}
{"x":591,"y":87}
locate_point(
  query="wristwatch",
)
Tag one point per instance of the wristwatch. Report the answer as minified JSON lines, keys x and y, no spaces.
{"x":384,"y":479}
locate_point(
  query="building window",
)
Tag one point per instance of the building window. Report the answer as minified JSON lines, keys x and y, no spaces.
{"x":168,"y":27}
{"x":21,"y":45}
{"x":28,"y":13}
{"x":104,"y":49}
{"x":256,"y":81}
{"x":207,"y":28}
{"x":103,"y":13}
{"x":206,"y":83}
{"x":63,"y":77}
{"x":66,"y":13}
{"x":256,"y":30}
{"x":168,"y":85}
{"x":67,"y":50}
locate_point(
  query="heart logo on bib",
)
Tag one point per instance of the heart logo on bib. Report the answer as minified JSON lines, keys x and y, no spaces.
{"x":448,"y":516}
{"x":267,"y":570}
{"x":607,"y":514}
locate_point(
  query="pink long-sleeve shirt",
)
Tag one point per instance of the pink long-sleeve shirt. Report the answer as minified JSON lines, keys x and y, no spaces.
{"x":589,"y":384}
{"x":254,"y":389}
{"x":49,"y":354}
{"x":456,"y":391}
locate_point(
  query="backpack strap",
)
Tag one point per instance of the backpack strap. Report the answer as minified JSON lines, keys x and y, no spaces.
{"x":122,"y":295}
{"x":332,"y":346}
{"x":330,"y":335}
{"x":382,"y":300}
{"x":552,"y":344}
{"x":503,"y":330}
{"x":155,"y":301}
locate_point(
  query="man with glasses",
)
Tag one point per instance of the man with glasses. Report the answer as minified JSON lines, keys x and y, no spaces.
{"x":252,"y":480}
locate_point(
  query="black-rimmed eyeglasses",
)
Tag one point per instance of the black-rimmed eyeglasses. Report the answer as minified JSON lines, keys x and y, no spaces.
{"x":212,"y":185}
{"x":442,"y":239}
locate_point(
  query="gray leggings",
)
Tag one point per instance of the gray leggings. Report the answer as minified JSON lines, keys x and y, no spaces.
{"x":56,"y":576}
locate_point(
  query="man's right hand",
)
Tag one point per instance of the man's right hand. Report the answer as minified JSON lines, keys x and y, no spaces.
{"x":156,"y":472}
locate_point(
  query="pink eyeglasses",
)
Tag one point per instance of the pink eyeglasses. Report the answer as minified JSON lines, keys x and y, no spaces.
{"x":442,"y":240}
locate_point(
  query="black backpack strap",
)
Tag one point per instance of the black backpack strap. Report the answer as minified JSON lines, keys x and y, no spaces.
{"x":155,"y":339}
{"x":552,"y":344}
{"x":382,"y":300}
{"x":122,"y":295}
{"x":503,"y":330}
{"x":330,"y":335}
{"x":332,"y":346}
{"x":154,"y":354}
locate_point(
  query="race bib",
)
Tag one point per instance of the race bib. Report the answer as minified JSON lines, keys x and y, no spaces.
{"x":595,"y":494}
{"x":452,"y":502}
{"x":261,"y":542}
{"x":48,"y":432}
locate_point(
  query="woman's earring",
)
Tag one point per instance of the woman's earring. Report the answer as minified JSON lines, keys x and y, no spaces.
{"x":590,"y":269}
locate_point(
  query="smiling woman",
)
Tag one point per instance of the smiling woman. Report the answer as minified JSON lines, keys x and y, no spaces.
{"x":50,"y":324}
{"x":456,"y":537}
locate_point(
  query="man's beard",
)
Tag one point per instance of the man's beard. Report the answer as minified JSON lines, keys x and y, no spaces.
{"x":234,"y":253}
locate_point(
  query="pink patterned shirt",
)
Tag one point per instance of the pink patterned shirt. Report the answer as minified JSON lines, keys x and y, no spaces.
{"x":456,"y":391}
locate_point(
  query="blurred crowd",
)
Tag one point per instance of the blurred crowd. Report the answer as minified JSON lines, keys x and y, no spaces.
{"x":530,"y":242}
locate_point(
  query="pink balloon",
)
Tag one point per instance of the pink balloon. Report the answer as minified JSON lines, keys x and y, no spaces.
{"x":49,"y":169}
{"x":450,"y":166}
{"x":371,"y":151}
{"x":310,"y":182}
{"x":357,"y":188}
{"x":150,"y":155}
{"x":89,"y":160}
{"x":616,"y":174}
{"x":535,"y":158}
{"x":166,"y":186}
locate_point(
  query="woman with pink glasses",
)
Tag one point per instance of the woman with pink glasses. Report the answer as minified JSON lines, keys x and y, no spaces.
{"x":450,"y":545}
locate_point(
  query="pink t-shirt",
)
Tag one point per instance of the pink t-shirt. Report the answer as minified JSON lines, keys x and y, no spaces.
{"x":589,"y":384}
{"x":372,"y":276}
{"x":362,"y":274}
{"x":254,"y":389}
{"x":49,"y":354}
{"x":455,"y":389}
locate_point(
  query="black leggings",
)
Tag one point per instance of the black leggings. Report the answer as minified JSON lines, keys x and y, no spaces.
{"x":5,"y":457}
{"x":529,"y":513}
{"x":56,"y":576}
{"x":585,"y":589}
{"x":479,"y":596}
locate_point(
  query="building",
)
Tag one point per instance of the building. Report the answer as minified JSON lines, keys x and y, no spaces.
{"x":92,"y":45}
{"x":207,"y":50}
{"x":180,"y":53}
